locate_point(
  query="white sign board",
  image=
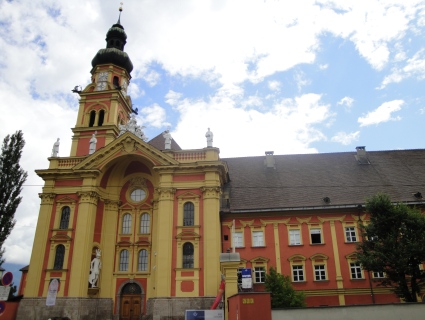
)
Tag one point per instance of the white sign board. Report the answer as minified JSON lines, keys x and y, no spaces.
{"x":52,"y":292}
{"x":4,"y":293}
{"x":204,"y":315}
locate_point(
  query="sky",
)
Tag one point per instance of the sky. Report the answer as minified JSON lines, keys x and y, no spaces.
{"x":308,"y":76}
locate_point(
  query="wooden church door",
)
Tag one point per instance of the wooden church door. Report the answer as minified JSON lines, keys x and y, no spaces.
{"x":131,"y":302}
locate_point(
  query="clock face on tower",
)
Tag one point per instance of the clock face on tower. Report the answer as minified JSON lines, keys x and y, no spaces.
{"x":103,"y":76}
{"x":101,"y":86}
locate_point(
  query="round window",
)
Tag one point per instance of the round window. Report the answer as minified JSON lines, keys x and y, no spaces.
{"x":138,"y":195}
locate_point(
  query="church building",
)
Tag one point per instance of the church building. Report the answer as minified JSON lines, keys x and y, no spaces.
{"x":130,"y":228}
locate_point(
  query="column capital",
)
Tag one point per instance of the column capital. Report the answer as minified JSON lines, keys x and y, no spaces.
{"x":47,"y":198}
{"x":88,"y":196}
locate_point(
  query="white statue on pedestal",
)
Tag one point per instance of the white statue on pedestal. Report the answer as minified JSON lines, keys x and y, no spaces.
{"x":95,"y":267}
{"x":93,"y":142}
{"x":55,"y":149}
{"x":168,"y":138}
{"x":209,"y":135}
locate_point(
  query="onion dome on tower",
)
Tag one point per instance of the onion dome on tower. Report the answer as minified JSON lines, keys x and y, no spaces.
{"x":113,"y":53}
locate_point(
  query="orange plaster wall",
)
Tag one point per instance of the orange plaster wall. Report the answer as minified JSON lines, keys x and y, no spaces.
{"x":104,"y":181}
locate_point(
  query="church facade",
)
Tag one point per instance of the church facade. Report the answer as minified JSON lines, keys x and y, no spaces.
{"x":130,"y":228}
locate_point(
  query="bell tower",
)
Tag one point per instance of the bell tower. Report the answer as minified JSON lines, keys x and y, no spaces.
{"x":104,"y":103}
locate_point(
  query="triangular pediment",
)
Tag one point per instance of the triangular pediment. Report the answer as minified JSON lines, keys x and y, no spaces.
{"x":188,"y":195}
{"x":66,"y":200}
{"x":125,"y":145}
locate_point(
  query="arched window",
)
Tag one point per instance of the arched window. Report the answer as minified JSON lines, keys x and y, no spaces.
{"x":188,"y":214}
{"x":145,"y":223}
{"x":116,"y":82}
{"x":143,"y":260}
{"x":126,"y":224}
{"x":59,"y":257}
{"x":188,"y":255}
{"x":101,"y":117}
{"x":124,"y":260}
{"x":64,"y":218}
{"x":92,"y":118}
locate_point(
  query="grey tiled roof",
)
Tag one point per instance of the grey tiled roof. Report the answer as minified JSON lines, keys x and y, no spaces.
{"x":159,"y":143}
{"x":304,"y":180}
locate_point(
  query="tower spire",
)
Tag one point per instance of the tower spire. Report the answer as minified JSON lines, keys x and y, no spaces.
{"x":119,"y":16}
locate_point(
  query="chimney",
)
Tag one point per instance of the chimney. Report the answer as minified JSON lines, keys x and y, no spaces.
{"x":269,"y":162}
{"x":361,"y":155}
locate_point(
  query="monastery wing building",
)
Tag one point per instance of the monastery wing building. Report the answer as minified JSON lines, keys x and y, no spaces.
{"x":130,"y":227}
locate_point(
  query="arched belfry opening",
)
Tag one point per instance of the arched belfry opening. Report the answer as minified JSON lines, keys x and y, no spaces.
{"x":131,"y":300}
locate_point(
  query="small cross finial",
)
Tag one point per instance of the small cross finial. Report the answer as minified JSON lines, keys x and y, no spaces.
{"x":120,"y":9}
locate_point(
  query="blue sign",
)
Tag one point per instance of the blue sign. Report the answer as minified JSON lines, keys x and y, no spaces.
{"x":195,"y":314}
{"x":2,"y":307}
{"x":246,"y":278}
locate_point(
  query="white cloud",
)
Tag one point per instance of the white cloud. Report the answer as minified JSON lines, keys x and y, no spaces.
{"x":414,"y":66}
{"x":153,"y":115}
{"x":346,"y":102}
{"x":382,"y":114}
{"x":287,"y":127}
{"x":346,"y":138}
{"x":274,"y":85}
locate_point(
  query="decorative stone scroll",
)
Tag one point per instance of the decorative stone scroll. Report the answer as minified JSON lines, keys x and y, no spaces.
{"x":166,"y":193}
{"x":88,"y":196}
{"x":211,"y":192}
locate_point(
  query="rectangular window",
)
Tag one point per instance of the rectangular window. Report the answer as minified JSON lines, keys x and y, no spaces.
{"x":260,"y":274}
{"x":350,"y":234}
{"x":378,"y":274}
{"x":356,"y":270}
{"x":319,"y":272}
{"x":257,"y":239}
{"x":237,"y":239}
{"x":297,"y":273}
{"x":316,"y":235}
{"x":294,"y":237}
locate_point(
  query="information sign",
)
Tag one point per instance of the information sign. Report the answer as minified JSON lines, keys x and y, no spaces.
{"x":246,"y":278}
{"x":204,"y":315}
{"x":4,"y":293}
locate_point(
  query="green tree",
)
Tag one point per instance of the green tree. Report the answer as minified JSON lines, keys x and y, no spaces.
{"x":283,"y":295}
{"x":394,"y":242}
{"x":12,"y":177}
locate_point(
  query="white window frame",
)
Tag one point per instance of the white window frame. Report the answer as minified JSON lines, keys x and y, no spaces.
{"x":350,"y":234}
{"x":126,"y":223}
{"x":298,"y":273}
{"x":378,"y":274}
{"x":356,"y":271}
{"x":294,"y":237}
{"x":320,"y":272}
{"x":316,"y":231}
{"x":258,"y":238}
{"x":237,"y":238}
{"x":259,"y":274}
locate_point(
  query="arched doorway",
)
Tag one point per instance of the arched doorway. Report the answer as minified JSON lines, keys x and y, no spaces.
{"x":131,"y":302}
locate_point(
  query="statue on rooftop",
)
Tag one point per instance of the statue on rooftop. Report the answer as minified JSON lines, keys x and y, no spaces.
{"x":209,"y":135}
{"x":55,"y":149}
{"x":132,"y":127}
{"x":168,"y":138}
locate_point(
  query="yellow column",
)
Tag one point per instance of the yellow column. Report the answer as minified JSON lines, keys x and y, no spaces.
{"x":339,"y":280}
{"x":277,"y":248}
{"x":39,"y":247}
{"x":109,"y":228}
{"x":230,"y":271}
{"x":212,"y":242}
{"x":164,"y":241}
{"x":83,"y":243}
